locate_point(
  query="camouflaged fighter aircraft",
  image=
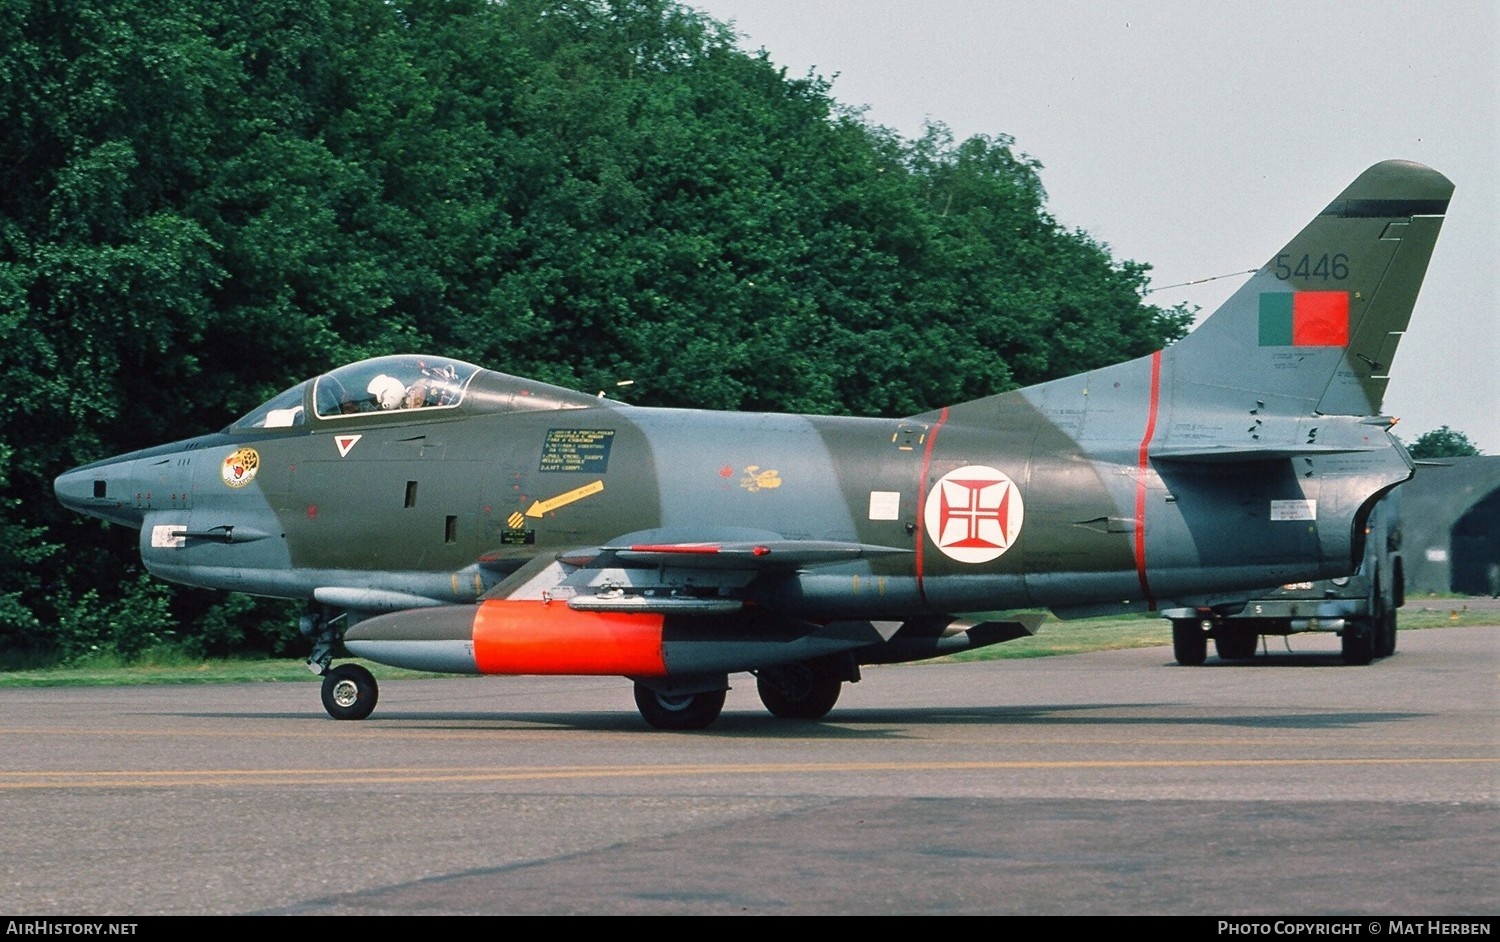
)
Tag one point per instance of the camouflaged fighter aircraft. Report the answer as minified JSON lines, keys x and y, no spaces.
{"x":444,"y":517}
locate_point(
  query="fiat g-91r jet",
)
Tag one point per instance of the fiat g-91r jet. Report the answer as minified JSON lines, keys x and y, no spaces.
{"x":445,"y":517}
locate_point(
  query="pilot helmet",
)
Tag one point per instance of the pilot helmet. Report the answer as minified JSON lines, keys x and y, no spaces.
{"x":387,"y":390}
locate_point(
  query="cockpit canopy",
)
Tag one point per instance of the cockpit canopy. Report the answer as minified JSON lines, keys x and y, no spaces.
{"x":283,"y":410}
{"x":407,"y":383}
{"x":385,"y":384}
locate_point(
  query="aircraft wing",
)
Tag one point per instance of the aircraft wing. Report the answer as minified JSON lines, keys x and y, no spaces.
{"x":1216,"y":454}
{"x":665,"y":573}
{"x":757,"y":555}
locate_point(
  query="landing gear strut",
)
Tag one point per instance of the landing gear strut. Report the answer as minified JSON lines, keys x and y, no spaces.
{"x":318,"y":626}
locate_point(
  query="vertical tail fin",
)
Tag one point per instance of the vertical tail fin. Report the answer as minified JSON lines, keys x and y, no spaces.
{"x":1319,"y":323}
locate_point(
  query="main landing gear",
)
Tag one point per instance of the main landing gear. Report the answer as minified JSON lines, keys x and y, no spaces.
{"x":678,"y":710}
{"x":804,"y":690}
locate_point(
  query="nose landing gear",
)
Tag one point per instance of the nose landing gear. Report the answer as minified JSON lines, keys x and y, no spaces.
{"x":349,"y":691}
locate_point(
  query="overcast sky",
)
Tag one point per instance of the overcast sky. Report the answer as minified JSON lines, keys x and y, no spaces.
{"x":1199,"y":137}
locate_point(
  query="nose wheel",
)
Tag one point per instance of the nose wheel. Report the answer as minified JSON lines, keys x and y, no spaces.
{"x":349,"y":692}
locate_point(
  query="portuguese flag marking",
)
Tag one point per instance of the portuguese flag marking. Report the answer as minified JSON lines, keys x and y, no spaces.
{"x":1304,"y":319}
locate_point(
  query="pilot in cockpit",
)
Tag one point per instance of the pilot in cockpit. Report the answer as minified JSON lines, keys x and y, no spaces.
{"x":417,"y":395}
{"x":389,"y":392}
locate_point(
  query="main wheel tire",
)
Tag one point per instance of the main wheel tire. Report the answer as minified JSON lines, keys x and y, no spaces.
{"x":349,"y":692}
{"x":1358,"y":642}
{"x":679,"y":710}
{"x":798,"y":691}
{"x":1189,"y":643}
{"x":1236,"y":642}
{"x":1385,"y":640}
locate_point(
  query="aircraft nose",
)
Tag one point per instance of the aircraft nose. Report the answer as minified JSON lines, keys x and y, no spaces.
{"x":102,"y":489}
{"x":74,"y":488}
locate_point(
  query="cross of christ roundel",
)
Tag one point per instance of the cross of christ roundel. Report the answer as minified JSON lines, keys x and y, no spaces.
{"x":973,"y":514}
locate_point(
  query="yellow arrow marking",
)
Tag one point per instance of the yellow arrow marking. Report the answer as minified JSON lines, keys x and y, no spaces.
{"x":563,"y":500}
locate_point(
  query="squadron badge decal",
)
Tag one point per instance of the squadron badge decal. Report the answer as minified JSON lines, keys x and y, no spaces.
{"x":239,"y":468}
{"x":973,"y":514}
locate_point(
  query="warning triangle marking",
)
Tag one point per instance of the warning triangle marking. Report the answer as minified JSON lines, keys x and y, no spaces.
{"x":346,"y":443}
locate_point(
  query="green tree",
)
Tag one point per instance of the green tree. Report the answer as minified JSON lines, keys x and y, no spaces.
{"x":203,"y":204}
{"x":1442,"y":442}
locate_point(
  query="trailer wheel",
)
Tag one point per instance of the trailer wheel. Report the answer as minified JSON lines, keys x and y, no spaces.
{"x":1358,"y":642}
{"x":1236,"y":642}
{"x":1385,"y":634}
{"x":1189,"y":642}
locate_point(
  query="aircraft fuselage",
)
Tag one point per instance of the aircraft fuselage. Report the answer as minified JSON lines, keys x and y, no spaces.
{"x":1013,"y":515}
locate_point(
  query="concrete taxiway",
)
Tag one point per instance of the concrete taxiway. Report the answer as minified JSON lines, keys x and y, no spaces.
{"x":1101,"y":783}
